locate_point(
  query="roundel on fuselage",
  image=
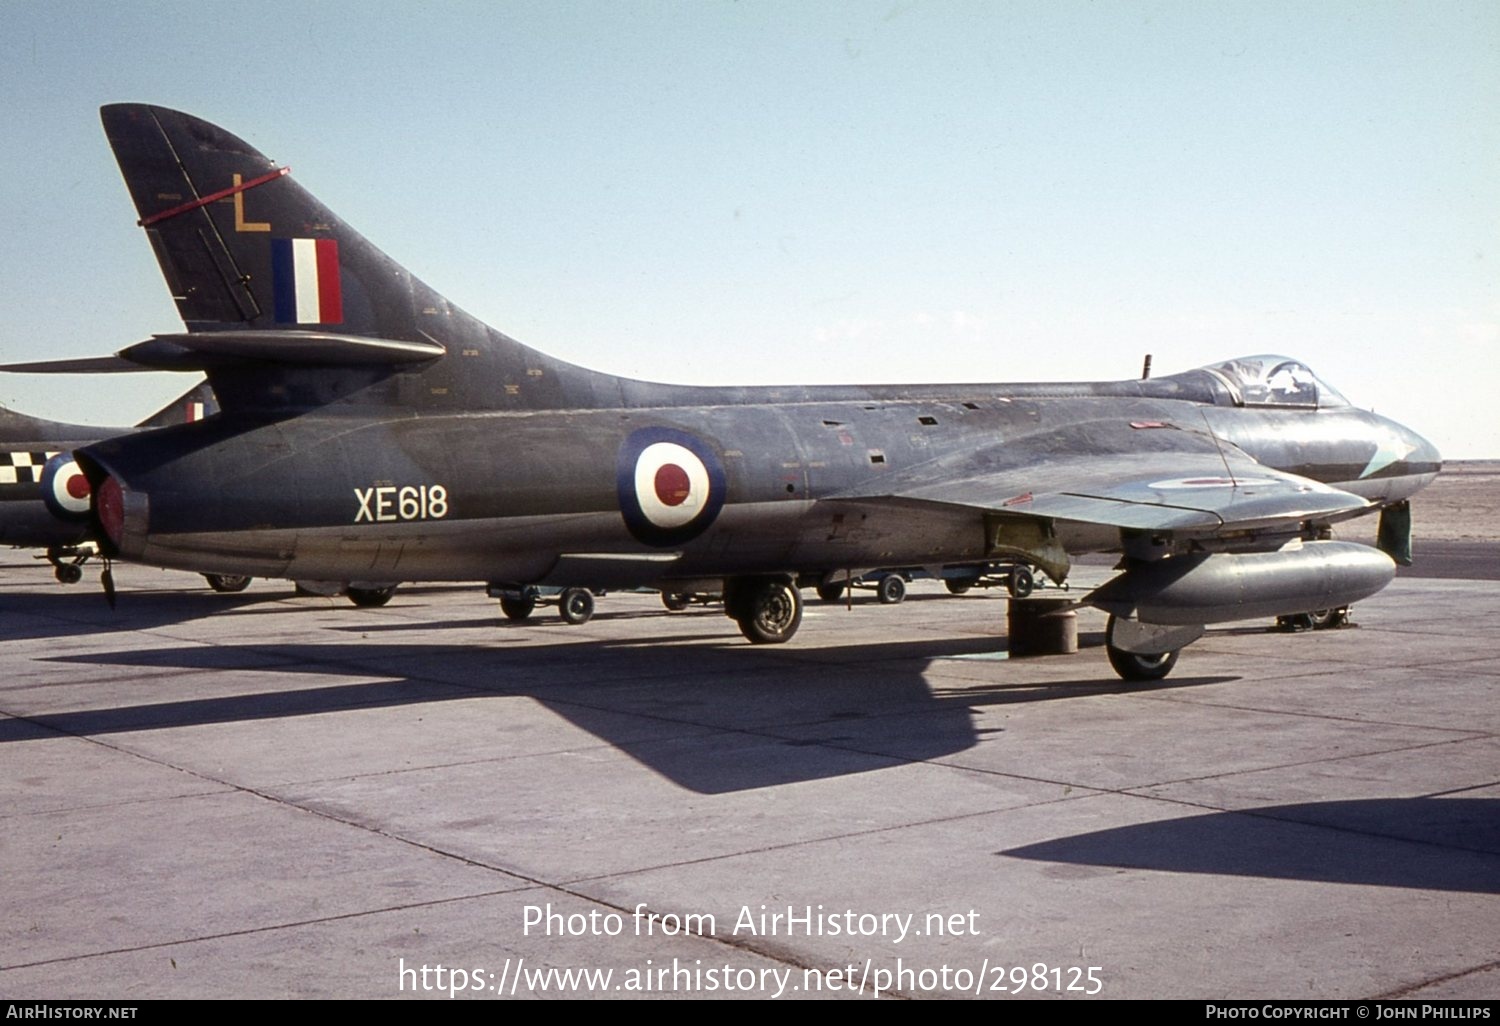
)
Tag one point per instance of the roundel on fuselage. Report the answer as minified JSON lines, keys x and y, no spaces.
{"x":670,"y":485}
{"x":65,"y":490}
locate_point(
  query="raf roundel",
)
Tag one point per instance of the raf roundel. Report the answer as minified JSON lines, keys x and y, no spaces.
{"x":65,"y":490}
{"x":671,"y":485}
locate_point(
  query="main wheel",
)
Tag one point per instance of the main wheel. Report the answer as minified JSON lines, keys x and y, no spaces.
{"x":518,"y":608}
{"x":1133,"y":665}
{"x":367,"y":597}
{"x":772,"y":612}
{"x":891,"y":589}
{"x":227,"y":583}
{"x":676,"y":601}
{"x":576,"y":605}
{"x":831,"y":591}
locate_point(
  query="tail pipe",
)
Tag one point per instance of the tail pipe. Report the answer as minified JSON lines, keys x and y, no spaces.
{"x":119,"y":515}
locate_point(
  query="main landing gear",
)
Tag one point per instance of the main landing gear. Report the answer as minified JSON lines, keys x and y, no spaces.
{"x":71,"y":571}
{"x":367,"y":596}
{"x":768,"y":609}
{"x":229,"y":583}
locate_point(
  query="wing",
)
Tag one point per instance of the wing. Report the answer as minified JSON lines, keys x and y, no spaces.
{"x":1189,"y":493}
{"x":1192,"y":491}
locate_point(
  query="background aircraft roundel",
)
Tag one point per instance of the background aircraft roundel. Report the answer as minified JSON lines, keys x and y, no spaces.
{"x":670,"y":485}
{"x":65,"y":490}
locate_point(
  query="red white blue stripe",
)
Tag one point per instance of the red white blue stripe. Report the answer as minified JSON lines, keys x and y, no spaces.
{"x":305,"y":278}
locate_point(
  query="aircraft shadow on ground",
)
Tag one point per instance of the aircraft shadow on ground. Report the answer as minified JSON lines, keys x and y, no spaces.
{"x":1444,"y":844}
{"x":84,"y":610}
{"x":748,"y":717}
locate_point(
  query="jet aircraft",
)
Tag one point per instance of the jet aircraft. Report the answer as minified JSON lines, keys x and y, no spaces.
{"x":370,"y":429}
{"x":44,"y":499}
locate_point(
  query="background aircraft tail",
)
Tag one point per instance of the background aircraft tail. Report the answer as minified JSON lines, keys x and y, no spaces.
{"x":193,"y":405}
{"x":286,"y":306}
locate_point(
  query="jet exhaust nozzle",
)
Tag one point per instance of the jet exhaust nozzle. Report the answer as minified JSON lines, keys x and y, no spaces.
{"x":121,"y":515}
{"x":1224,"y":586}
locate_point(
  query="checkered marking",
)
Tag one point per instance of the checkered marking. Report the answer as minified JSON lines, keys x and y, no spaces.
{"x":23,"y":467}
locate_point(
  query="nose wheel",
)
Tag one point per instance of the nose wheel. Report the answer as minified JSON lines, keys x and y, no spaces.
{"x":1137,"y":665}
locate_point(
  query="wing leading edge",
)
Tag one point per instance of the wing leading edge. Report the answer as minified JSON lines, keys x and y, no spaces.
{"x":1178,"y":497}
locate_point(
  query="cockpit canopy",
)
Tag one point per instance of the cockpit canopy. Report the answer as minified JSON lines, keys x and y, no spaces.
{"x":1274,"y":381}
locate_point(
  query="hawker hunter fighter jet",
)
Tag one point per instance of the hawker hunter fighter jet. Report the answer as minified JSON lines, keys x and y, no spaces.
{"x":44,"y":499}
{"x":372,"y":430}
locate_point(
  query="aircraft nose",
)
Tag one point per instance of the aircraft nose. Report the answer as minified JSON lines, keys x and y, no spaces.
{"x":1418,"y":462}
{"x":1424,"y":457}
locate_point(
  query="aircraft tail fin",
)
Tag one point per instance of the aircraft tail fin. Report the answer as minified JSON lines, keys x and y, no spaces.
{"x":240,"y":243}
{"x":286,"y":306}
{"x":193,"y":405}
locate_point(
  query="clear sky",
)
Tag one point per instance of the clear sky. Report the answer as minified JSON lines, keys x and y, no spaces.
{"x":815,"y":191}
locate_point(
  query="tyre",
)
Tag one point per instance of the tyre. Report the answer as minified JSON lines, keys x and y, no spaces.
{"x":831,"y":591}
{"x":1020,"y":582}
{"x":891,"y":589}
{"x":676,"y":601}
{"x":227,"y":583}
{"x":957,"y":586}
{"x":369,"y":597}
{"x":518,"y":608}
{"x":1133,"y":665}
{"x":576,"y":605}
{"x":773,"y":612}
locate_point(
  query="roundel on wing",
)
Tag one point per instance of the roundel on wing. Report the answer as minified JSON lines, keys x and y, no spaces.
{"x":671,"y":485}
{"x":65,"y":490}
{"x":1210,"y":482}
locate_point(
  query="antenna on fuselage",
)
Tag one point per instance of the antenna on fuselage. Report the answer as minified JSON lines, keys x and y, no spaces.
{"x":1233,"y":483}
{"x":1146,"y":368}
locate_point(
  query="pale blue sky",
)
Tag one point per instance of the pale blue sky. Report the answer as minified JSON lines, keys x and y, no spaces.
{"x":816,"y":192}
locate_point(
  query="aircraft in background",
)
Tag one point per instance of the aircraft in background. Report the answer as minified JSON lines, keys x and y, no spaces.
{"x":44,"y":498}
{"x":372,"y":430}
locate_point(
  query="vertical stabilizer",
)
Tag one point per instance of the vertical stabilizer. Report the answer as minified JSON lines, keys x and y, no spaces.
{"x":192,"y":406}
{"x":244,"y":248}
